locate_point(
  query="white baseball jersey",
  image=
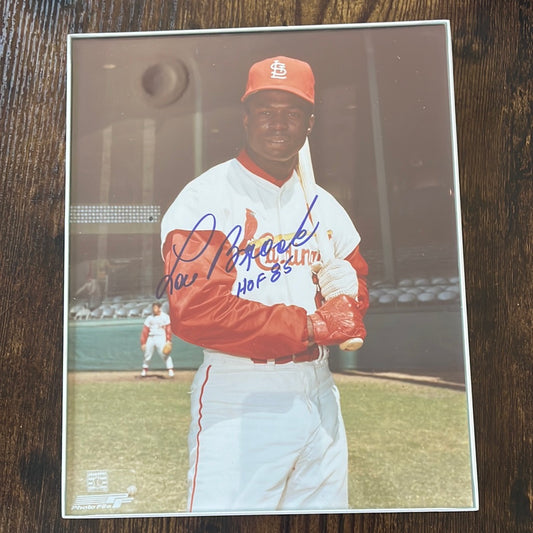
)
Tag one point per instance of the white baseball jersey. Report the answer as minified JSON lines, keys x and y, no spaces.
{"x":235,"y":244}
{"x":156,"y":324}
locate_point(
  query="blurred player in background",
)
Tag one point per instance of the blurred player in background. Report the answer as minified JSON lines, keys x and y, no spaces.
{"x":91,"y":289}
{"x":266,"y":430}
{"x":156,"y":335}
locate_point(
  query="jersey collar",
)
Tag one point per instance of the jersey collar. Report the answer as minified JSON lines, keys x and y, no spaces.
{"x":246,"y":161}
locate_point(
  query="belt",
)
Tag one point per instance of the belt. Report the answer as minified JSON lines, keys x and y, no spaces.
{"x":311,"y":354}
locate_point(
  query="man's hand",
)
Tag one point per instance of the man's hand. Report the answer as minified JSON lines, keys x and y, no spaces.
{"x":143,"y":347}
{"x":336,"y":277}
{"x":338,"y":320}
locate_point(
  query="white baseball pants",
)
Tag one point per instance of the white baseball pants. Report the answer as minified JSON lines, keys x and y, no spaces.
{"x":266,"y":437}
{"x":156,"y":343}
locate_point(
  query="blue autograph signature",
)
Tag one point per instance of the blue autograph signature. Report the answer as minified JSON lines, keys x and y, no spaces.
{"x":248,"y":285}
{"x":176,"y":280}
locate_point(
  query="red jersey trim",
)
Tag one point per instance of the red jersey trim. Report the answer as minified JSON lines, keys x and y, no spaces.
{"x":200,"y":415}
{"x":246,"y":161}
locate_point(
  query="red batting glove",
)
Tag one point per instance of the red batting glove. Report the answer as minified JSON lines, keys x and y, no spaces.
{"x":337,"y":321}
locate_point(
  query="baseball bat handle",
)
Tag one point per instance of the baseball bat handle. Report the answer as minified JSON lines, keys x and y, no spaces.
{"x":307,"y":181}
{"x":351,"y":345}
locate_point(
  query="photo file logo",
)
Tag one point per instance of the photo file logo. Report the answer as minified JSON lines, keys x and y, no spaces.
{"x":91,"y":502}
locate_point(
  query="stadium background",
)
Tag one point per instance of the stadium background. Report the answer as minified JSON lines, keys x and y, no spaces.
{"x":150,"y":114}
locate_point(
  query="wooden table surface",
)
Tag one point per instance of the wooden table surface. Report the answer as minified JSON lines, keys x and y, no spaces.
{"x":494,"y":94}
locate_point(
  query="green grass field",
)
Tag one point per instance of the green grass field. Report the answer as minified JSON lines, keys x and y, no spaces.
{"x":408,"y":443}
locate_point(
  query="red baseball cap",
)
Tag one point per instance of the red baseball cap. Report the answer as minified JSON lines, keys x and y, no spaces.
{"x":284,"y":74}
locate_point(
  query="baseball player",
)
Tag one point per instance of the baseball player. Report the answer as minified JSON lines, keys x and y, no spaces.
{"x":157,"y":335}
{"x":245,"y":282}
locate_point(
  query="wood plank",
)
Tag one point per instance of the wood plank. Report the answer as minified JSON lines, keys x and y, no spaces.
{"x":493,"y":81}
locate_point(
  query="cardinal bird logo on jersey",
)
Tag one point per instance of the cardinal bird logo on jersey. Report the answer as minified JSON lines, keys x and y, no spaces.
{"x":250,"y":227}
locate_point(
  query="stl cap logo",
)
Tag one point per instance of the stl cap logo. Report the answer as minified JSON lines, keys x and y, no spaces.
{"x":278,"y":70}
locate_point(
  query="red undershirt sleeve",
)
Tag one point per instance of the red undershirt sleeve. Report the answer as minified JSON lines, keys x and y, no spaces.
{"x":198,"y":281}
{"x":144,"y":335}
{"x":361,"y":267}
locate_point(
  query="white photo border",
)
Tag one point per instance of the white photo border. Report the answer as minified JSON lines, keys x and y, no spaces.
{"x":70,"y":102}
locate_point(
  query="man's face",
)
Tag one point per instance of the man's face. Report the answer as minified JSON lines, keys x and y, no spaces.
{"x":276,"y":124}
{"x":156,"y":310}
